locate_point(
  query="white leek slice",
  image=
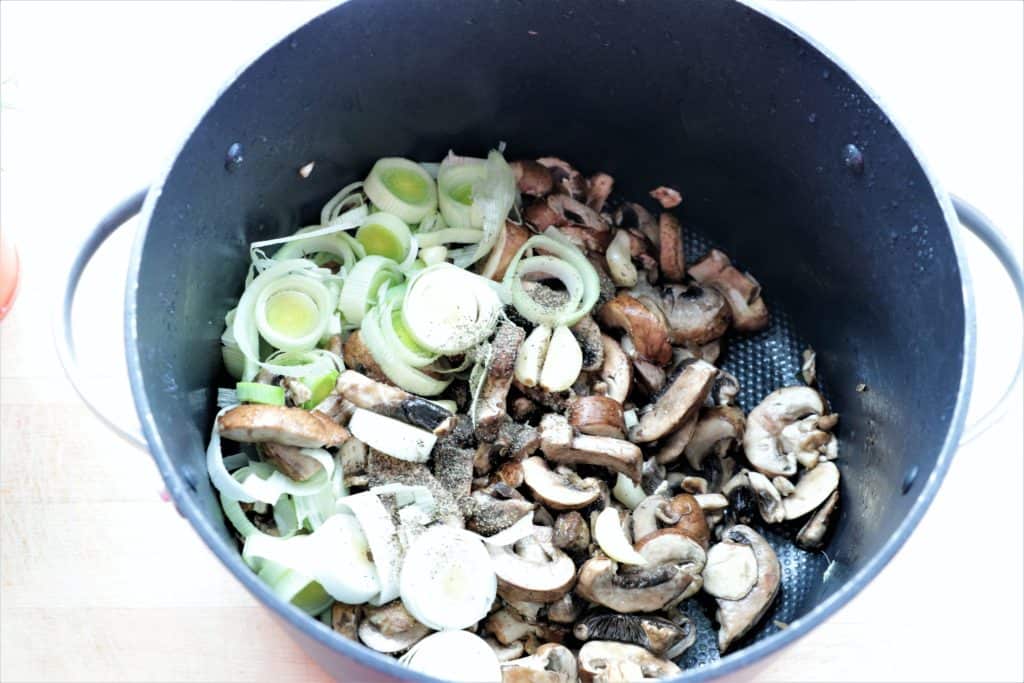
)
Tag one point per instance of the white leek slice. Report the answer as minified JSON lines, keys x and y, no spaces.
{"x":347,"y":198}
{"x":609,"y":535}
{"x":254,"y":488}
{"x":457,"y":180}
{"x":447,"y":580}
{"x":295,"y":587}
{"x":450,"y":235}
{"x":401,"y":187}
{"x":385,"y":234}
{"x":359,"y":292}
{"x":455,"y":656}
{"x":317,"y":239}
{"x":293,"y":311}
{"x":397,"y":439}
{"x":552,"y":315}
{"x":626,"y":492}
{"x":432,"y":255}
{"x":449,"y":310}
{"x":398,"y":371}
{"x":375,"y":521}
{"x":493,"y":196}
{"x":336,"y":556}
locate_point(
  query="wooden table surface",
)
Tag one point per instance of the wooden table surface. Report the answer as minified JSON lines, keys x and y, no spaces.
{"x":103,"y":581}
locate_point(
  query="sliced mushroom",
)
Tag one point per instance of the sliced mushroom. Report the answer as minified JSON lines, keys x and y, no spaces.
{"x":812,"y":535}
{"x":731,"y":570}
{"x":599,"y":186}
{"x":769,"y":501}
{"x":680,"y":401}
{"x":668,"y":197}
{"x":690,"y":518}
{"x":357,"y":357}
{"x":669,"y":546}
{"x":695,"y":315}
{"x":296,"y":391}
{"x":658,"y":635}
{"x":509,"y":241}
{"x":671,"y":258}
{"x":496,"y":508}
{"x":390,"y":628}
{"x":567,"y":179}
{"x":646,"y":589}
{"x":564,"y":610}
{"x":382,"y":469}
{"x":742,"y":291}
{"x":712,"y":502}
{"x":571,"y":533}
{"x":808,"y":367}
{"x":561,"y":446}
{"x":737,"y":617}
{"x":345,"y":619}
{"x":491,"y":405}
{"x":616,"y":370}
{"x":717,"y":429}
{"x":694,"y":485}
{"x":558,"y":490}
{"x":533,"y":568}
{"x":588,"y":334}
{"x":807,"y":440}
{"x":784,"y":486}
{"x":635,"y":216}
{"x":646,"y":330}
{"x":675,"y":444}
{"x":506,"y":653}
{"x":532,"y":179}
{"x":765,"y":424}
{"x":290,"y":461}
{"x":395,"y":403}
{"x":602,"y":661}
{"x":507,"y":627}
{"x":550,"y":663}
{"x":597,"y":416}
{"x":812,"y":490}
{"x":256,"y":423}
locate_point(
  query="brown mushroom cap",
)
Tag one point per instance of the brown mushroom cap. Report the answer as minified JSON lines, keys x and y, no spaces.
{"x":533,"y":568}
{"x":692,"y":521}
{"x":256,"y":423}
{"x":597,"y":415}
{"x":668,"y":197}
{"x":550,"y":663}
{"x":560,"y":445}
{"x":558,"y":490}
{"x":532,"y":178}
{"x":670,"y":251}
{"x":647,"y":332}
{"x":694,"y":314}
{"x":588,"y":334}
{"x":670,"y":448}
{"x":680,"y":401}
{"x":766,"y":422}
{"x":718,"y":427}
{"x":567,"y":180}
{"x":599,"y":186}
{"x":647,"y":589}
{"x":509,"y":241}
{"x":737,"y":617}
{"x":603,"y":661}
{"x":357,"y":357}
{"x":571,"y":532}
{"x":740,"y":290}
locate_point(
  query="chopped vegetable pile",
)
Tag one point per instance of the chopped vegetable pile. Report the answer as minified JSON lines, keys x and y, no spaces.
{"x":483,"y":396}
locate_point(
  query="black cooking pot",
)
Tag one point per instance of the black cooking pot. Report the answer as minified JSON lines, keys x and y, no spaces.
{"x":783,"y":160}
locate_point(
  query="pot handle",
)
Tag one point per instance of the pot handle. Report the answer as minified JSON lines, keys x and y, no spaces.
{"x":982,"y":228}
{"x":62,"y":332}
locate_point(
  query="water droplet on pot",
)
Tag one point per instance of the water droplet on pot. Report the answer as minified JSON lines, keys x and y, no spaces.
{"x":293,"y":44}
{"x":853,"y":158}
{"x":812,"y":118}
{"x":234,"y":158}
{"x":826,"y":74}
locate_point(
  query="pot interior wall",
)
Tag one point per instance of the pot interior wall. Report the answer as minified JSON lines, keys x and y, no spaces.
{"x":752,"y":124}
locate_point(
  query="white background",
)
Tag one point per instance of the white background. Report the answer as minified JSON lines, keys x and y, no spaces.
{"x":100,"y":581}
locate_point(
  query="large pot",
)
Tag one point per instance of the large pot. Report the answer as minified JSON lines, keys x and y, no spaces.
{"x":782,"y":157}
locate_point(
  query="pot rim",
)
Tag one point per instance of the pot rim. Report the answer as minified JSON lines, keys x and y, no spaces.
{"x":228,"y":554}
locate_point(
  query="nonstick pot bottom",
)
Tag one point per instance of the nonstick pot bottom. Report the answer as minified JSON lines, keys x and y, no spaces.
{"x":762,"y":362}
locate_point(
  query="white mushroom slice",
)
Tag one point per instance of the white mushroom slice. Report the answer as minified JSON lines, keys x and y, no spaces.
{"x":811,"y":491}
{"x":812,"y":535}
{"x":765,"y":424}
{"x":737,"y":617}
{"x":669,"y":546}
{"x":647,"y":589}
{"x":769,"y":501}
{"x":541,"y":576}
{"x":695,"y":485}
{"x":447,"y":580}
{"x":530,"y":358}
{"x":712,"y":502}
{"x":560,"y":445}
{"x":550,"y":663}
{"x":721,"y":425}
{"x":560,"y":491}
{"x":616,"y":370}
{"x":455,"y":656}
{"x":609,"y":535}
{"x":671,"y":447}
{"x":506,"y":653}
{"x":681,"y":399}
{"x":784,"y":486}
{"x":731,"y":571}
{"x":374,"y":639}
{"x":604,"y":661}
{"x":562,"y":362}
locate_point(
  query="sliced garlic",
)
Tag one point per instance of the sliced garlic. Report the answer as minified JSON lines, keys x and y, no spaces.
{"x":562,"y":362}
{"x":531,"y":354}
{"x":609,"y":535}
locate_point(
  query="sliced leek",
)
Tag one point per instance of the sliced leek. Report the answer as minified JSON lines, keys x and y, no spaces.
{"x":450,"y":235}
{"x":456,"y":182}
{"x":401,"y":187}
{"x":583,"y":288}
{"x":254,"y":392}
{"x":385,"y":234}
{"x":448,"y":310}
{"x":359,"y":293}
{"x":398,"y":371}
